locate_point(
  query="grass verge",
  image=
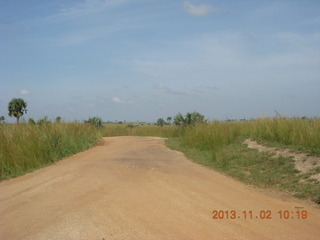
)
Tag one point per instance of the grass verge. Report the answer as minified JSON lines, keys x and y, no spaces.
{"x":253,"y":167}
{"x":26,"y":147}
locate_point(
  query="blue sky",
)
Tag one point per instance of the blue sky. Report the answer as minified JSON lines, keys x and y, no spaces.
{"x":144,"y":59}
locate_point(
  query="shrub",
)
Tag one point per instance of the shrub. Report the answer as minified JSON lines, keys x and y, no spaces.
{"x":160,"y":122}
{"x":95,"y":121}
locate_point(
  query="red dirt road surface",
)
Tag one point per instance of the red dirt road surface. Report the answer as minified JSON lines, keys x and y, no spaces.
{"x":136,"y":188}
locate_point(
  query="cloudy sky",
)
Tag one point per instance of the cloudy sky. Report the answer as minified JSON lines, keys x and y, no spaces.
{"x":144,"y":59}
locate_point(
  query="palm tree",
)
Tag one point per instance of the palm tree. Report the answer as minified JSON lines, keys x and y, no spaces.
{"x":179,"y":120}
{"x":17,"y":107}
{"x":189,"y":119}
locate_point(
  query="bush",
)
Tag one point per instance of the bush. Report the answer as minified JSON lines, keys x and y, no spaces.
{"x":95,"y":121}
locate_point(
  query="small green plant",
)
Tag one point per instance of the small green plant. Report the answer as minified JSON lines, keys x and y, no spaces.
{"x":31,"y":121}
{"x":43,"y":121}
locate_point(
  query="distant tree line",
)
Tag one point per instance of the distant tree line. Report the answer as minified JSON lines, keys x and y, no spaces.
{"x":17,"y":107}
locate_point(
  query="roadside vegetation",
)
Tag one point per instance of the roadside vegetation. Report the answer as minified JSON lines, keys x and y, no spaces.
{"x":220,"y":145}
{"x":26,"y":147}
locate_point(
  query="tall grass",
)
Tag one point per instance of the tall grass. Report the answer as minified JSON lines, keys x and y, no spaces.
{"x":209,"y":136}
{"x":24,"y":147}
{"x":301,"y":134}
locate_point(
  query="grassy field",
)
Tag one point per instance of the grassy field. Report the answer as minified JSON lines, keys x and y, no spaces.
{"x":25,"y":147}
{"x":218,"y":145}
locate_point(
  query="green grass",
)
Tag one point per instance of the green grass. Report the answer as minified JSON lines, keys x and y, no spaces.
{"x":25,"y":147}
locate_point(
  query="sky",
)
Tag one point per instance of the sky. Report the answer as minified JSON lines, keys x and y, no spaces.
{"x":139,"y":60}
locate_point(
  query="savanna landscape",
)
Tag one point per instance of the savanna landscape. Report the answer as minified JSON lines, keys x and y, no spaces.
{"x":260,"y":153}
{"x":159,"y":120}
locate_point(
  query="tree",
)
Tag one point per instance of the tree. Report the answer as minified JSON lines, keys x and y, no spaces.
{"x":169,"y":119}
{"x":17,"y":107}
{"x":160,"y":122}
{"x":179,"y":120}
{"x":197,"y":118}
{"x":2,"y":118}
{"x":189,"y":119}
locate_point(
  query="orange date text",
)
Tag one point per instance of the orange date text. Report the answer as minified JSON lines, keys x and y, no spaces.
{"x":260,"y":214}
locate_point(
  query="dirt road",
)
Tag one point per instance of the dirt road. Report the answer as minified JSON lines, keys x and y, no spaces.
{"x":136,"y":188}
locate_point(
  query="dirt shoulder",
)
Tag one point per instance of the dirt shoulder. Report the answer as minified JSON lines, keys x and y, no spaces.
{"x":303,"y":162}
{"x":136,"y":188}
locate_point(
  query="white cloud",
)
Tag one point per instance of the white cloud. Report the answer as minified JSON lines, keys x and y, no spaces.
{"x":198,"y":10}
{"x":24,"y":92}
{"x":117,"y":100}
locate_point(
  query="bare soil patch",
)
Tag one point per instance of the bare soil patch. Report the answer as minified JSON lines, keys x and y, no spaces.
{"x":303,"y":162}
